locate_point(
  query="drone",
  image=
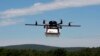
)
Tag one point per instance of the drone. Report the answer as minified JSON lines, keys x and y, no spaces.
{"x":53,"y":27}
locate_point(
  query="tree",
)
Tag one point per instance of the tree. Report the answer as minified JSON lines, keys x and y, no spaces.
{"x":85,"y":52}
{"x":59,"y":52}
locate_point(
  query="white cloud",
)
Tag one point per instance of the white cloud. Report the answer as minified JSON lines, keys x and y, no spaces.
{"x":8,"y":22}
{"x":40,"y":7}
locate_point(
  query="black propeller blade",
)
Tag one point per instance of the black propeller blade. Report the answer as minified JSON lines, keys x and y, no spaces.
{"x":43,"y":21}
{"x":61,"y":22}
{"x":69,"y":24}
{"x":36,"y":23}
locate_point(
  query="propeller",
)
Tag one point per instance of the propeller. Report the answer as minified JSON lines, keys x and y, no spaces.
{"x":61,"y":22}
{"x":69,"y":24}
{"x":43,"y":21}
{"x":36,"y":23}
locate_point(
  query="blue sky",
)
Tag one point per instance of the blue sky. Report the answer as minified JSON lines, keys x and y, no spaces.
{"x":15,"y":13}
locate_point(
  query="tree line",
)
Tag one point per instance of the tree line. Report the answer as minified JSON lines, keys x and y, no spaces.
{"x":55,"y":52}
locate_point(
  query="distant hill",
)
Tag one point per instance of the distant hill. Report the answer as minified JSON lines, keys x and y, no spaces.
{"x":41,"y":47}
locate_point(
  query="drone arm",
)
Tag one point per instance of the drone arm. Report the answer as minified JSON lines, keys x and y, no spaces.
{"x":30,"y":24}
{"x":75,"y":26}
{"x":34,"y":24}
{"x":70,"y":25}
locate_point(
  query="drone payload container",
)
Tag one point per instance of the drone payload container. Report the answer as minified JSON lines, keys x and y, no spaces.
{"x":52,"y":32}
